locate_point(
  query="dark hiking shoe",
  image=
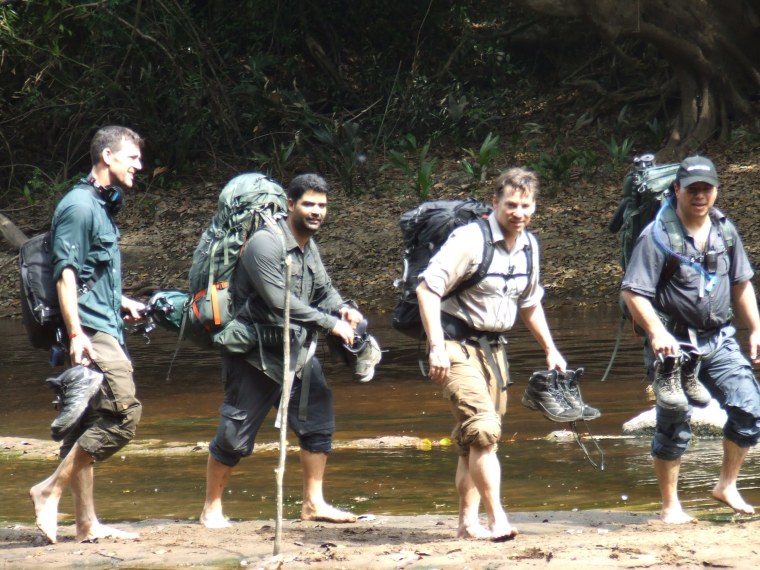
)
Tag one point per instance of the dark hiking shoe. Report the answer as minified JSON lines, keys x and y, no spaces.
{"x":545,"y":395}
{"x":667,"y":384}
{"x":568,"y":382}
{"x":74,"y":388}
{"x":695,"y":391}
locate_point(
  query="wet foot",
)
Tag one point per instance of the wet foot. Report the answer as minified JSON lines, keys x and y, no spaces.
{"x":730,"y":497}
{"x":326,"y":513}
{"x":676,"y":516}
{"x":46,"y":512}
{"x":474,"y":531}
{"x":214,"y":519}
{"x":99,"y":531}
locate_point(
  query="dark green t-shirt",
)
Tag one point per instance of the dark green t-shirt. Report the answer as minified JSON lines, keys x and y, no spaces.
{"x":85,"y":238}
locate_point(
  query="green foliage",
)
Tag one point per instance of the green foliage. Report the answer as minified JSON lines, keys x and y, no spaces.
{"x":339,"y":148}
{"x":479,"y":162}
{"x":419,"y":169}
{"x":275,"y":161}
{"x":557,"y":166}
{"x":619,"y":152}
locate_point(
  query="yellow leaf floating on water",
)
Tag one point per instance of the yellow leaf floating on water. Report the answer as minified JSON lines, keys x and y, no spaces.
{"x":445,"y":441}
{"x":425,"y":444}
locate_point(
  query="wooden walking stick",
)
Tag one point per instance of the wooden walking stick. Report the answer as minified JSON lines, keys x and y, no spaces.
{"x":283,"y":411}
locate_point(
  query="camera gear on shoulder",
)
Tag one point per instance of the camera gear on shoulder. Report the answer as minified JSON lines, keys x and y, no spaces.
{"x":40,"y":310}
{"x":648,"y":196}
{"x":557,"y":395}
{"x":246,"y":203}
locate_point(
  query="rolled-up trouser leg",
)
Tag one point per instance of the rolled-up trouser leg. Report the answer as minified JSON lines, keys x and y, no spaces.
{"x":475,"y":396}
{"x":729,"y":378}
{"x":111,"y":418}
{"x":249,"y":395}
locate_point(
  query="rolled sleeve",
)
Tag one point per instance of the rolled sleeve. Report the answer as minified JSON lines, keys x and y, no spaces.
{"x":458,"y":257}
{"x":71,"y":239}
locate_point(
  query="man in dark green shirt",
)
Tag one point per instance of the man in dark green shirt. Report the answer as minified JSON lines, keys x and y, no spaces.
{"x":87,"y":269}
{"x":253,"y":382}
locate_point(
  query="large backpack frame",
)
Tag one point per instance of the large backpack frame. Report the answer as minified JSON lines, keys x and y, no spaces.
{"x":245,"y":204}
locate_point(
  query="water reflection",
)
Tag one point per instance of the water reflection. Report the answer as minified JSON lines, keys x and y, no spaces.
{"x":537,"y":474}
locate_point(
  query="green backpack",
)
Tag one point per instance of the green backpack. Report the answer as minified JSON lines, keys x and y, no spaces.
{"x":246,"y":203}
{"x":645,"y":188}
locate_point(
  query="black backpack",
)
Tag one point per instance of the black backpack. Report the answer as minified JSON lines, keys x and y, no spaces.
{"x":40,"y":310}
{"x":39,"y":299}
{"x":424,"y":229}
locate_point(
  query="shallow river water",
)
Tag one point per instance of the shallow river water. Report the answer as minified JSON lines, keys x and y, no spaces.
{"x":537,"y":474}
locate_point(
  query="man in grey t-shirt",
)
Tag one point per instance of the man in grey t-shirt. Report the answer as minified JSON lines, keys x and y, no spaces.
{"x":693,"y":308}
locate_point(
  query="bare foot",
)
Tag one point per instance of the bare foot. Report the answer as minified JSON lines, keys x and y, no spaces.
{"x":326,"y":513}
{"x":214,"y":519}
{"x":46,"y":512}
{"x":476,"y":531}
{"x":102,"y":531}
{"x":730,"y":497}
{"x":503,"y":533}
{"x":676,"y":516}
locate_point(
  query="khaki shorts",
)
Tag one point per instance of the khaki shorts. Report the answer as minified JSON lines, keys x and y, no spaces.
{"x":472,"y":388}
{"x":111,"y":418}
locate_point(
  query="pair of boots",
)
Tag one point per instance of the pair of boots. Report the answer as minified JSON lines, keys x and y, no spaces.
{"x":557,"y":396}
{"x":675,"y":381}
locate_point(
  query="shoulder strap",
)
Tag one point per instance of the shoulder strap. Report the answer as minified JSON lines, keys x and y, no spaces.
{"x":531,"y":254}
{"x":486,"y":260}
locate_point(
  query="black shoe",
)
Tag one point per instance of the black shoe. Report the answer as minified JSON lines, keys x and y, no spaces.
{"x":544,"y":395}
{"x":75,"y":388}
{"x":695,"y":392}
{"x":568,"y":382}
{"x":667,"y":384}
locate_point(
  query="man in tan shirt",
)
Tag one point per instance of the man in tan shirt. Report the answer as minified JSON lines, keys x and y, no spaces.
{"x":467,"y":344}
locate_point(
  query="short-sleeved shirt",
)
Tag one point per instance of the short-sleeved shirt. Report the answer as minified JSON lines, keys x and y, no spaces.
{"x":493,"y":303}
{"x":683,"y":296}
{"x":85,"y":238}
{"x":260,"y":280}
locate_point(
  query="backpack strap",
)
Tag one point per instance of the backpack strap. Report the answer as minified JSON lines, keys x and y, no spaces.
{"x":485,"y":263}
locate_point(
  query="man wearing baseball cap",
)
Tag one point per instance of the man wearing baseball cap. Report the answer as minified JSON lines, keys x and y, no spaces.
{"x":688,"y":275}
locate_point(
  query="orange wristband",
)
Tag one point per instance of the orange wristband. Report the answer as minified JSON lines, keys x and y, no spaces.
{"x":72,"y":335}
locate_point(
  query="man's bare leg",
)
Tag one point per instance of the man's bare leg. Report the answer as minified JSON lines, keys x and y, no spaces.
{"x":47,"y":494}
{"x":469,"y":503}
{"x":314,"y":507}
{"x":485,"y":471}
{"x":89,"y":528}
{"x":217,"y":475}
{"x":725,"y":489}
{"x":667,"y":478}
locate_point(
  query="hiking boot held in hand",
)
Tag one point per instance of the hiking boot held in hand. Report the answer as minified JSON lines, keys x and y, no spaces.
{"x":75,"y":388}
{"x":667,"y":383}
{"x":545,"y":395}
{"x":695,"y":391}
{"x":367,"y":359}
{"x":568,"y":382}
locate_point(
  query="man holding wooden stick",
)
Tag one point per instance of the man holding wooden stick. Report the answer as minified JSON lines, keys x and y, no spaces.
{"x":253,"y":382}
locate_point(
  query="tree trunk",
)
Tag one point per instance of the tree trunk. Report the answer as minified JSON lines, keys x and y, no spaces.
{"x":710,"y":45}
{"x":11,"y":233}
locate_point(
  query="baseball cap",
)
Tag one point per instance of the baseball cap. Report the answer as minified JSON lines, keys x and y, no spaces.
{"x":696,"y":169}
